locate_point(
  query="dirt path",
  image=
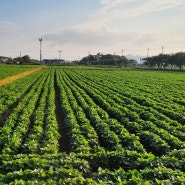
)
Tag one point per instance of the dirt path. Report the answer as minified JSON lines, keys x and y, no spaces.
{"x":18,"y":76}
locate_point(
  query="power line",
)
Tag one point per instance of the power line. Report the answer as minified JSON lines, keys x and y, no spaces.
{"x":47,"y":52}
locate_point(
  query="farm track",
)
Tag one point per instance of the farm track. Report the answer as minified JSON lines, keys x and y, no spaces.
{"x":18,"y":76}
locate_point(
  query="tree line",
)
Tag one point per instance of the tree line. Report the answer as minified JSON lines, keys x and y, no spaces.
{"x":18,"y":60}
{"x":107,"y":59}
{"x":163,"y":61}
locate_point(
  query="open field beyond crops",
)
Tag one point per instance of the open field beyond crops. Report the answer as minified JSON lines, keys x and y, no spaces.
{"x":11,"y":70}
{"x":88,"y":125}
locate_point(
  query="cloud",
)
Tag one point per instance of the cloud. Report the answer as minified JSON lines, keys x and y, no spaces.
{"x":103,"y":2}
{"x":9,"y":29}
{"x":10,"y":35}
{"x":98,"y":31}
{"x":130,"y":8}
{"x":98,"y":37}
{"x":80,"y":37}
{"x":112,"y":10}
{"x":95,"y":31}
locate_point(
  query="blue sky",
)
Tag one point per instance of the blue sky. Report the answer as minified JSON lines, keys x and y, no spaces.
{"x":79,"y":27}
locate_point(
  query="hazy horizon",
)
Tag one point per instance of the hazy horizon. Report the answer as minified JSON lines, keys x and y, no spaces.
{"x":81,"y":27}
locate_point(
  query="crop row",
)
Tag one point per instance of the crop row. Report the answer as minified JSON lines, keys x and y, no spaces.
{"x":135,"y":103}
{"x":103,"y":167}
{"x":77,"y":126}
{"x":12,"y":93}
{"x":146,"y":130}
{"x":99,"y":119}
{"x":165,"y":96}
{"x":44,"y":135}
{"x":17,"y":124}
{"x":22,"y":132}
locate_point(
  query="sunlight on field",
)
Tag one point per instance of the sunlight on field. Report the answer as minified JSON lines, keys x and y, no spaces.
{"x":88,"y":125}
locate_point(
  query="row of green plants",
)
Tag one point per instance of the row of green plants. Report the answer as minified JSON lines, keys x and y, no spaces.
{"x":15,"y":91}
{"x":74,"y":137}
{"x":159,"y":92}
{"x":69,"y":169}
{"x":149,"y":114}
{"x":33,"y":141}
{"x":17,"y":125}
{"x":83,"y":122}
{"x":111,"y":132}
{"x":135,"y":102}
{"x":44,"y":134}
{"x":43,"y":169}
{"x":77,"y":126}
{"x":159,"y":146}
{"x":151,"y":85}
{"x":51,"y":133}
{"x":113,"y":167}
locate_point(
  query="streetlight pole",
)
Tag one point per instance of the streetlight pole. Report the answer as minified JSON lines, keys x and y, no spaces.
{"x":122,"y":58}
{"x":88,"y":57}
{"x":40,"y":40}
{"x":148,"y":52}
{"x":59,"y":53}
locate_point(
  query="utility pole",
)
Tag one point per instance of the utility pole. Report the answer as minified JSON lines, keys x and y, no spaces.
{"x":148,"y":52}
{"x":114,"y":57}
{"x":59,"y":53}
{"x":162,"y":49}
{"x":122,"y":58}
{"x":40,"y":40}
{"x":88,"y":57}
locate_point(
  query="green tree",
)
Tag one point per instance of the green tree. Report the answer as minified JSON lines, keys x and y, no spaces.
{"x":180,"y":60}
{"x":159,"y":61}
{"x":125,"y":62}
{"x":26,"y":59}
{"x":133,"y":63}
{"x":172,"y":61}
{"x":18,"y":60}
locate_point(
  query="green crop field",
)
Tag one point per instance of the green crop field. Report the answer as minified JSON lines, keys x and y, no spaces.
{"x":88,"y":125}
{"x":10,"y":70}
